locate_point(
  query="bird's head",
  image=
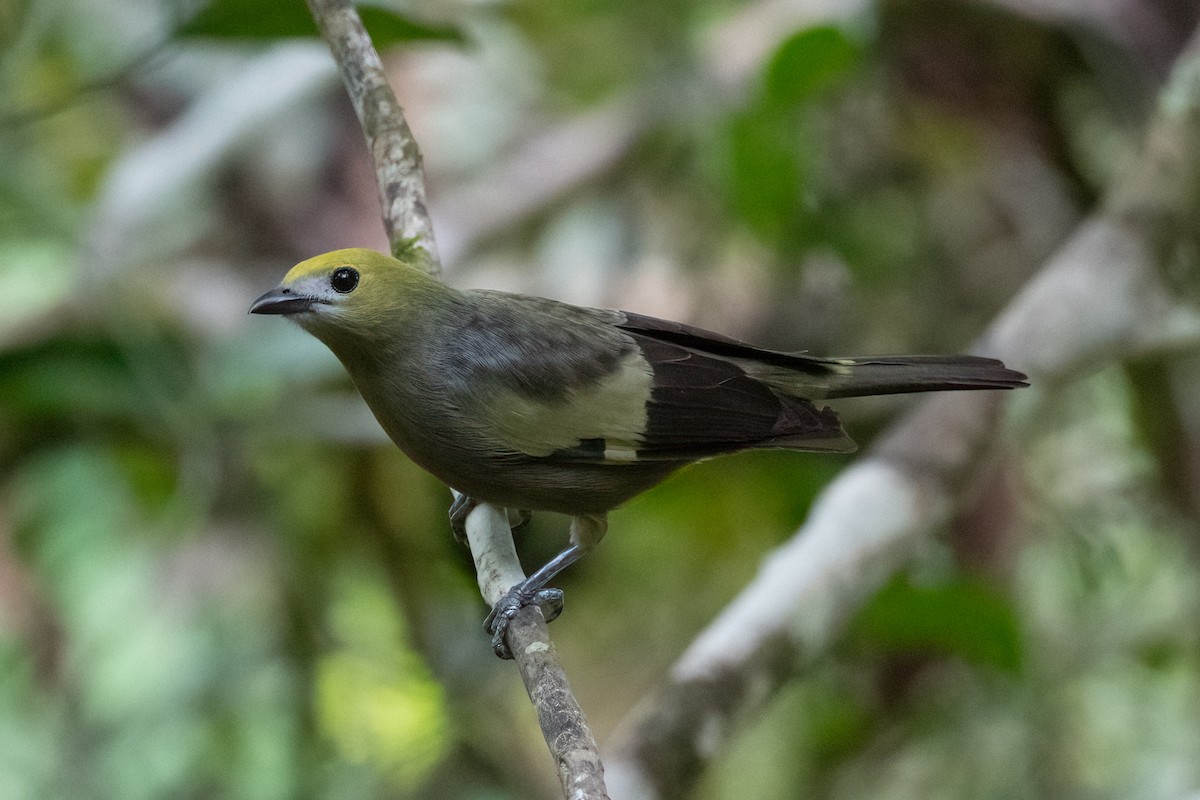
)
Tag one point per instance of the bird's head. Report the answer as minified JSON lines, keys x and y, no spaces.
{"x":355,"y":292}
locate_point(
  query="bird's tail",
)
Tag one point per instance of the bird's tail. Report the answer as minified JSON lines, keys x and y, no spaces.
{"x":830,"y":378}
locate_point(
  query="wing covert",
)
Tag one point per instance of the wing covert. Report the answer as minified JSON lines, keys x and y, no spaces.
{"x":546,"y":379}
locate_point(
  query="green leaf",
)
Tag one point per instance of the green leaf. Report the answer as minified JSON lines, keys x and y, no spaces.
{"x":253,"y":19}
{"x":767,"y":172}
{"x":810,"y":62}
{"x":960,"y":618}
{"x":36,"y":275}
{"x":775,"y":145}
{"x":880,"y":234}
{"x":69,"y":378}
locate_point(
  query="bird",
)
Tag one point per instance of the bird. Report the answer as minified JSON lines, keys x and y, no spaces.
{"x":532,"y":404}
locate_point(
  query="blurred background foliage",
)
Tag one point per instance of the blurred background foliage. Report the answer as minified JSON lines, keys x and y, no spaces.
{"x":218,"y":580}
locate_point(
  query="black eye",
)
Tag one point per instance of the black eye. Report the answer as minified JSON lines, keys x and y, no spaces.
{"x":344,"y":279}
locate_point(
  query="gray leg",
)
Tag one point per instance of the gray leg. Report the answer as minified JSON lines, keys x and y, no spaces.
{"x":586,"y":532}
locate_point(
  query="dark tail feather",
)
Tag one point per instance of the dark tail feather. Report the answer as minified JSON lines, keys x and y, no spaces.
{"x":858,"y":377}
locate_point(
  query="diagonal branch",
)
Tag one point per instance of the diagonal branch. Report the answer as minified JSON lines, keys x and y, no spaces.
{"x":399,"y":169}
{"x":563,"y":724}
{"x":401,"y":180}
{"x":1125,"y":283}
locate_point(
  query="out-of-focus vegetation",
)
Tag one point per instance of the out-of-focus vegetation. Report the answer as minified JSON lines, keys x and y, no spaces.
{"x":218,"y":580}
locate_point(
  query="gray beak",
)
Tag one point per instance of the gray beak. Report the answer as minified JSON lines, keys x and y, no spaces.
{"x":281,"y":301}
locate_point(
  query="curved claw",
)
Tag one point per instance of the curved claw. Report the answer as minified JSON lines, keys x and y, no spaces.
{"x":460,"y":509}
{"x":516,"y":598}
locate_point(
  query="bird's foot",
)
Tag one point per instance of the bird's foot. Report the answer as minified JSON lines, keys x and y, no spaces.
{"x":516,"y":598}
{"x":460,"y":509}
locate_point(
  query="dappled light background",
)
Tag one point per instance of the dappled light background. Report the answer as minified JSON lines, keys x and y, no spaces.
{"x":218,"y":579}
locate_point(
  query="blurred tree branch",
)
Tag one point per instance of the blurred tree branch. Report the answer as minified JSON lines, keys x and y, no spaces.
{"x":132,"y":212}
{"x":1124,"y":284}
{"x":401,"y":181}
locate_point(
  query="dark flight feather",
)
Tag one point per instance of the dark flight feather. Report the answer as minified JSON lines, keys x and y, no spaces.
{"x":702,"y":405}
{"x":820,"y":378}
{"x":714,"y":394}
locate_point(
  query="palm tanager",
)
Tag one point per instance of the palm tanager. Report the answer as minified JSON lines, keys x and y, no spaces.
{"x":536,"y":405}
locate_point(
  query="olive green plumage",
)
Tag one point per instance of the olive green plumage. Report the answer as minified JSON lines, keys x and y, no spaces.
{"x":534,"y":404}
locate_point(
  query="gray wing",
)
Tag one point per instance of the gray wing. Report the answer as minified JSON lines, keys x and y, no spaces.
{"x":547,"y":379}
{"x":576,"y":384}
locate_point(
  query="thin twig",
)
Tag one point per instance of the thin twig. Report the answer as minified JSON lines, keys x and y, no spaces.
{"x":563,"y":724}
{"x":1125,"y":283}
{"x":399,"y":170}
{"x":401,"y":179}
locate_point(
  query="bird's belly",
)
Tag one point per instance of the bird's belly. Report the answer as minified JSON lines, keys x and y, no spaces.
{"x":543,"y":485}
{"x":476,"y":466}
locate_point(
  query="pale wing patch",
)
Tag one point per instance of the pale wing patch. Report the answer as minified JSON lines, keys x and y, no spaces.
{"x":612,"y":409}
{"x":626,"y":454}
